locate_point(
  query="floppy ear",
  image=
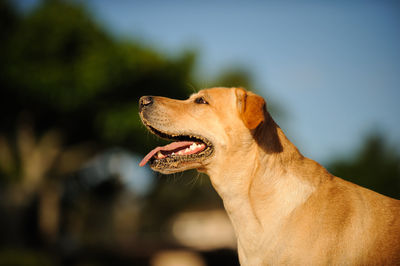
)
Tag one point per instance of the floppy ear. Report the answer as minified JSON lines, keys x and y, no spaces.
{"x":251,"y":108}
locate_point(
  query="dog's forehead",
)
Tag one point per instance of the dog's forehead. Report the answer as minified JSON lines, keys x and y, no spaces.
{"x":218,"y":93}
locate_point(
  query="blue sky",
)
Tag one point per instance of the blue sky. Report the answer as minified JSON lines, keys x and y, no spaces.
{"x":333,"y":66}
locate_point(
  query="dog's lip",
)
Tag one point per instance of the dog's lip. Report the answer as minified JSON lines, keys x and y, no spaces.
{"x":179,"y":136}
{"x":176,"y":136}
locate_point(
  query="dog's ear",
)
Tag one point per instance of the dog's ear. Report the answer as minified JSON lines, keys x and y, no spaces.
{"x":251,"y":108}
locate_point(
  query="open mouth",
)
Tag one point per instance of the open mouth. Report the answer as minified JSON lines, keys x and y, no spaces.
{"x":185,"y":150}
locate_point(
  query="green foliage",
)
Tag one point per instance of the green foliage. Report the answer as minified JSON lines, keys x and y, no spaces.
{"x":60,"y":60}
{"x":375,"y":166}
{"x":66,"y":73}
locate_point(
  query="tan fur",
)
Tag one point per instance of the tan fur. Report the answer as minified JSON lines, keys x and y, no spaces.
{"x":286,"y":209}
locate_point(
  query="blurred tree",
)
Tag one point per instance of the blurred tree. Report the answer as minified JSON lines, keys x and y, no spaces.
{"x":68,"y":74}
{"x":235,"y":77}
{"x":376,"y":166}
{"x":172,"y":194}
{"x":68,"y":90}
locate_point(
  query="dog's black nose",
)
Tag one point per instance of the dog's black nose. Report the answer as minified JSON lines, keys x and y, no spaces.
{"x":145,"y":101}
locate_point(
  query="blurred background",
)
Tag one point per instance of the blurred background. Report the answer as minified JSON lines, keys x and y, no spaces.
{"x":71,"y":74}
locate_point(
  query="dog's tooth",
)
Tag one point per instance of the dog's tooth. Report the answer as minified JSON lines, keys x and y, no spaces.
{"x":173,"y":153}
{"x":187,"y":150}
{"x":180,"y":153}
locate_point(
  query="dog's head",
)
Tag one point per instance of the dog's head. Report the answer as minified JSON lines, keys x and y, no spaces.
{"x":206,"y":128}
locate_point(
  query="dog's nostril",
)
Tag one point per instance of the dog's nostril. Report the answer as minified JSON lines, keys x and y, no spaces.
{"x":145,"y":101}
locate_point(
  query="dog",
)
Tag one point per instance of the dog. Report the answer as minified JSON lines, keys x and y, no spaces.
{"x":285,"y":209}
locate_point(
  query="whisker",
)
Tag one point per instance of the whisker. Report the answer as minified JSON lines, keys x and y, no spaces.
{"x":192,"y":87}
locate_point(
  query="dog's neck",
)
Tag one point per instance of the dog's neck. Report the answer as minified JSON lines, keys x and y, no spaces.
{"x":264,"y":184}
{"x":260,"y":164}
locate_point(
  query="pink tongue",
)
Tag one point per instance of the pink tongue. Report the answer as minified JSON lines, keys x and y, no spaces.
{"x":169,"y":147}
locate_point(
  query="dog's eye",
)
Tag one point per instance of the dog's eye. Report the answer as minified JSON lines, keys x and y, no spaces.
{"x":200,"y":100}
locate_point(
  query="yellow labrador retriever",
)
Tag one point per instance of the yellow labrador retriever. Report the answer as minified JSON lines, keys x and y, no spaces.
{"x":286,"y":209}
